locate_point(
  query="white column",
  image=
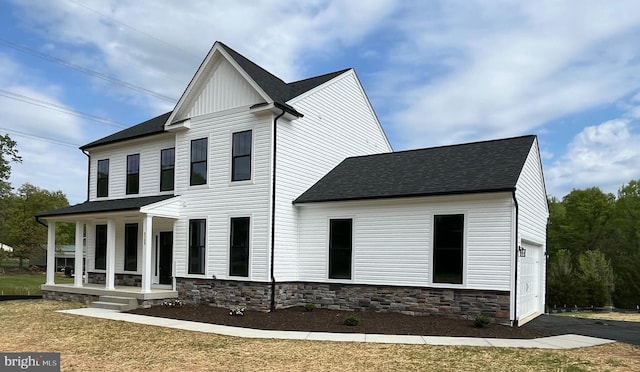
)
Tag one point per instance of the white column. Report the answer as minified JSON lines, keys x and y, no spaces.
{"x":78,"y":269}
{"x":111,"y":255}
{"x":147,"y":246}
{"x":51,"y":253}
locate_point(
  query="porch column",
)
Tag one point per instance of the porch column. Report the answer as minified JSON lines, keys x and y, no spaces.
{"x":79,"y":267}
{"x":51,"y":253}
{"x":147,"y":246}
{"x":111,"y":255}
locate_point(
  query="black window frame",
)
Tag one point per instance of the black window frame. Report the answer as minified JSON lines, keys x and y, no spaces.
{"x":448,"y":249}
{"x":340,"y":250}
{"x":198,"y":163}
{"x":131,"y":247}
{"x":133,"y":174}
{"x":167,"y":170}
{"x":241,"y":155}
{"x":102,"y":178}
{"x":100,"y":251}
{"x":239,"y":245}
{"x":197,"y":247}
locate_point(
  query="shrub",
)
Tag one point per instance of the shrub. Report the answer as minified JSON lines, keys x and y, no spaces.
{"x":173,"y":303}
{"x":237,"y":310}
{"x":482,"y":321}
{"x":352,"y":320}
{"x":309,"y":306}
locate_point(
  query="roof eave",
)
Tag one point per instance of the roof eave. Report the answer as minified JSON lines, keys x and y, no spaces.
{"x":404,"y":196}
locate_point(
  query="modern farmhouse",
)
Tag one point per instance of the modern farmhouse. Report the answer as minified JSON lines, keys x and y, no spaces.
{"x":266,"y":194}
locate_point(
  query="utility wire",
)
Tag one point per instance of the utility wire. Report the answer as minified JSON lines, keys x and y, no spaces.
{"x":41,"y":138}
{"x":85,"y":70}
{"x":59,"y":108}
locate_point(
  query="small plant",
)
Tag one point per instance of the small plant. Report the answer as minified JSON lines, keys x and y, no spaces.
{"x":482,"y":321}
{"x":352,"y":320}
{"x":237,"y":310}
{"x":309,"y":307}
{"x":174,"y":302}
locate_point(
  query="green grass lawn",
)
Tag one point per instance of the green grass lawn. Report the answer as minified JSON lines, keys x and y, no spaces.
{"x":26,"y":282}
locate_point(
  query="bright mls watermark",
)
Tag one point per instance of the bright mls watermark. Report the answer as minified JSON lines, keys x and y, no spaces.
{"x":10,"y":362}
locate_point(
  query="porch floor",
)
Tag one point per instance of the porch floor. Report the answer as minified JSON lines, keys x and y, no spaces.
{"x":119,"y":290}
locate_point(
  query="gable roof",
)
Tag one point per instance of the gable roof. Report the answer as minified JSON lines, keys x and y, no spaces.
{"x":112,"y":205}
{"x":488,"y":166}
{"x":146,"y":128}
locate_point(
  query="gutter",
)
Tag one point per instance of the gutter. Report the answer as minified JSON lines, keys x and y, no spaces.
{"x":38,"y":220}
{"x":272,"y":307}
{"x":517,"y":254}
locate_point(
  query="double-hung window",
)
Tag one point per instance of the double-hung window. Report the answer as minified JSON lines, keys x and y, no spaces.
{"x":340,"y":248}
{"x":241,"y":156}
{"x":133,"y":174}
{"x":102,"y":184}
{"x":167,"y":169}
{"x":101,"y":247}
{"x":197,"y":246}
{"x":448,"y":248}
{"x":131,"y":247}
{"x":198,"y":162}
{"x":239,"y":247}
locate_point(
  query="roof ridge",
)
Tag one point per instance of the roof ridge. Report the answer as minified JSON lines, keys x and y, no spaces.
{"x":337,"y":72}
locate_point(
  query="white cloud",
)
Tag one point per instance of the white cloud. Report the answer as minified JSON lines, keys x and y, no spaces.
{"x":606,"y":155}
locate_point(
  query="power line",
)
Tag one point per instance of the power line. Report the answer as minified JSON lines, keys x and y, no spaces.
{"x":85,"y":70}
{"x":59,"y":108}
{"x":41,"y":138}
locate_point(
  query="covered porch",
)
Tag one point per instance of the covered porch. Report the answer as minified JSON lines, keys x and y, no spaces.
{"x":129,"y":248}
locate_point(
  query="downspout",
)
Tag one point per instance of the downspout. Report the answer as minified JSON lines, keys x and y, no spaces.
{"x":273,"y":211}
{"x":517,"y":254}
{"x":88,"y":170}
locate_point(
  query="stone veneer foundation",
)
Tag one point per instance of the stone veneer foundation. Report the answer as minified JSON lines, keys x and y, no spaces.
{"x":457,"y":303}
{"x":129,"y":280}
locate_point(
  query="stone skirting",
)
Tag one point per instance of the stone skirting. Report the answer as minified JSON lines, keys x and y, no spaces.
{"x":457,"y":303}
{"x":129,"y":280}
{"x":72,"y":297}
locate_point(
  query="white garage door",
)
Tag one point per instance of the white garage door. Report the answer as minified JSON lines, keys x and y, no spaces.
{"x":530,"y":301}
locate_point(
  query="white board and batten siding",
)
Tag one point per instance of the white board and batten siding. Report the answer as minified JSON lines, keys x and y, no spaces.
{"x":149,"y":149}
{"x":220,"y":199}
{"x":338,"y":123}
{"x":393,"y":240}
{"x":533,"y":214}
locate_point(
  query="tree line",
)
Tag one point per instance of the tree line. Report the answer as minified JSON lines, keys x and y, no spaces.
{"x":18,"y":208}
{"x":593,"y":243}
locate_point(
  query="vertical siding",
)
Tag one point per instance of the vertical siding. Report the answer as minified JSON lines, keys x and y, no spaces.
{"x":149,"y":149}
{"x":338,"y":122}
{"x":393,"y":239}
{"x":225,"y":89}
{"x":532,"y":200}
{"x":220,"y":199}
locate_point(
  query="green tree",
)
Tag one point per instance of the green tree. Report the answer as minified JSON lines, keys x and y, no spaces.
{"x":587,"y":220}
{"x":8,"y":154}
{"x":24,"y":233}
{"x":563,"y":284}
{"x":596,"y":275}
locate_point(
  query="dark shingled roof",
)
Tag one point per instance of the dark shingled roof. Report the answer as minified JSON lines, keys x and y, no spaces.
{"x":277,"y":89}
{"x":488,"y":166}
{"x":106,"y":206}
{"x":147,"y":128}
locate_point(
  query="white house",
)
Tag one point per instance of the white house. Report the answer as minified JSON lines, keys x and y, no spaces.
{"x":267,"y":194}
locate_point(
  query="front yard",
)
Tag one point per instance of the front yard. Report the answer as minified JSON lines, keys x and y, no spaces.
{"x":96,"y":344}
{"x":26,"y":283}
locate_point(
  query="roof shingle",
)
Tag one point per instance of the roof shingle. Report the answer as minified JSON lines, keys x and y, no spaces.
{"x":106,"y":206}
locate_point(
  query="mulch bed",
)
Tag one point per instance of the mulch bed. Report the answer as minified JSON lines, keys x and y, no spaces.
{"x":324,"y":320}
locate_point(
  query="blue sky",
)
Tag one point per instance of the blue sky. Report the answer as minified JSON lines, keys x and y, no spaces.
{"x":437,"y":73}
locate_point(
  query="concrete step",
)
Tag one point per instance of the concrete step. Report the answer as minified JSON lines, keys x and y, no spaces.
{"x":109,"y":305}
{"x":115,"y":303}
{"x":132,"y":302}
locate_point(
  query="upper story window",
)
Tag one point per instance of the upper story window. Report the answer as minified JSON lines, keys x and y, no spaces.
{"x":133,"y":174}
{"x":198,"y":162}
{"x":340,"y":248}
{"x":167,"y":169}
{"x":103,"y":178}
{"x":448,"y":248}
{"x":241,"y":157}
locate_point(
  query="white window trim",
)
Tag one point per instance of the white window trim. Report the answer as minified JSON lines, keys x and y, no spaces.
{"x":250,"y":181}
{"x":353,"y":248}
{"x":206,"y":247}
{"x":465,"y":250}
{"x":228,"y":250}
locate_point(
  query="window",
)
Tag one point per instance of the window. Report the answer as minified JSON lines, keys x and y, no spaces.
{"x":131,"y":247}
{"x":340,"y":246}
{"x":241,"y":157}
{"x":167,"y":168}
{"x":103,"y":178}
{"x":197,"y":240}
{"x":101,"y":247}
{"x":133,"y":174}
{"x":198,"y":162}
{"x":239,"y":256}
{"x":448,"y":246}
